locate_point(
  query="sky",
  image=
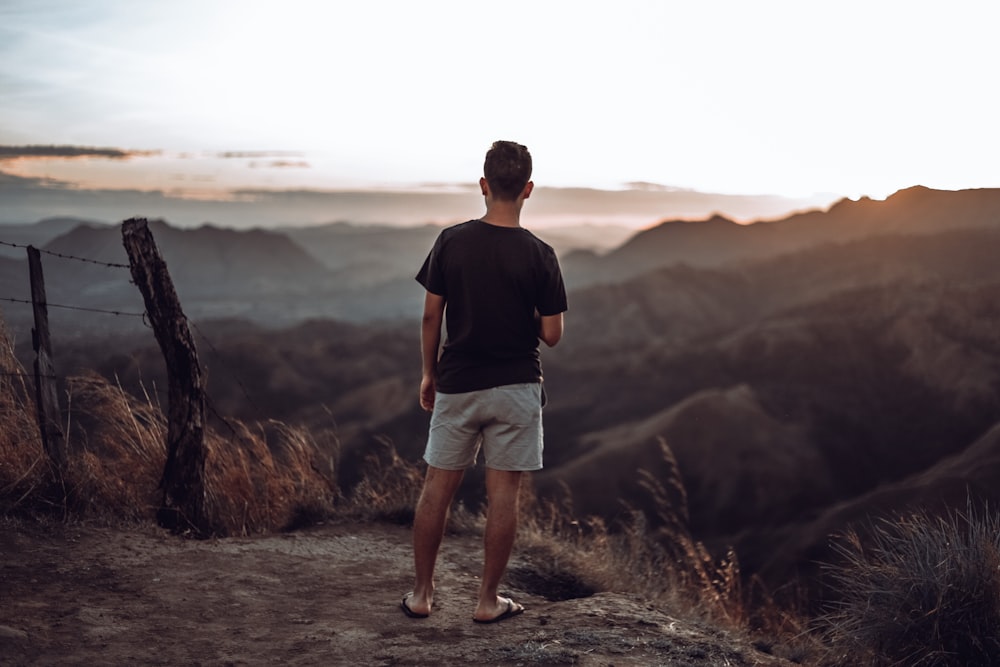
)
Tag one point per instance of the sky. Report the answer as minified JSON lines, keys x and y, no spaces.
{"x":201,"y":99}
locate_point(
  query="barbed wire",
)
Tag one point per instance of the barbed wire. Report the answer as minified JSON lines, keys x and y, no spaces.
{"x":210,"y":404}
{"x":83,"y":308}
{"x":157,"y":391}
{"x":112,"y":265}
{"x":215,"y":352}
{"x":227,"y":369}
{"x":239,"y":382}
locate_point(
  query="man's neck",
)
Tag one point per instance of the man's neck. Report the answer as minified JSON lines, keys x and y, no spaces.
{"x":503,"y":214}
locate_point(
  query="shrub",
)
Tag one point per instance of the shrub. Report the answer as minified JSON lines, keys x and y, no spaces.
{"x":920,"y":591}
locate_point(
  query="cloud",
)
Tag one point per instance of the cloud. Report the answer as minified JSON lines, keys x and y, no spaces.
{"x":258,"y":155}
{"x":28,"y":199}
{"x":654,"y":187}
{"x":281,"y":164}
{"x":37,"y":152}
{"x":11,"y":183}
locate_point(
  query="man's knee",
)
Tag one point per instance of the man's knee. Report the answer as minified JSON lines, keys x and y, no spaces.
{"x":441,"y":484}
{"x":502,"y":484}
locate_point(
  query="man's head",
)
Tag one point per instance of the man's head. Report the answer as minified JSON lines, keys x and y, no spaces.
{"x":507,"y":169}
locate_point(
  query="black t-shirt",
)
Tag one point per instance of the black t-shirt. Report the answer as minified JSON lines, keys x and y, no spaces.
{"x":492,"y":279}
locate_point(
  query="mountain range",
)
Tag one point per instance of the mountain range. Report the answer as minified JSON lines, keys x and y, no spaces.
{"x":274,"y":277}
{"x":805,"y":372}
{"x":718,"y":241}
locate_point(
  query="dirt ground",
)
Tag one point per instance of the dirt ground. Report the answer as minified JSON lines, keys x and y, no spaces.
{"x":85,"y":595}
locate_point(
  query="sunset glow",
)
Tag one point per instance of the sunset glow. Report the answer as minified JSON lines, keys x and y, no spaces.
{"x":851,"y":98}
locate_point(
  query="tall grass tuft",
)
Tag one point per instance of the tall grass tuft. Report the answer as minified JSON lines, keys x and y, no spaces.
{"x":117,"y":451}
{"x":654,"y":556}
{"x":389,"y":486}
{"x":920,"y":591}
{"x":24,"y":466}
{"x":714,"y":582}
{"x":268,"y":477}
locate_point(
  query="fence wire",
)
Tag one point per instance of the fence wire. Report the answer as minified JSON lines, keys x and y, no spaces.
{"x":215,"y":352}
{"x":11,"y":299}
{"x":232,"y":374}
{"x":60,"y":255}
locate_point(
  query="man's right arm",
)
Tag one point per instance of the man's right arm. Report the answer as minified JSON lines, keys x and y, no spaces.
{"x":430,"y":344}
{"x":550,"y":329}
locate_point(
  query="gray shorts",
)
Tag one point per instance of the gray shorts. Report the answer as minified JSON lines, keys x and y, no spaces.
{"x":505,"y":420}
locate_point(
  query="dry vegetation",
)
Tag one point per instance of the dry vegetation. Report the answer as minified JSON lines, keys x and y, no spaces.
{"x":24,"y":468}
{"x":920,"y":592}
{"x":259,"y":478}
{"x":656,"y":557}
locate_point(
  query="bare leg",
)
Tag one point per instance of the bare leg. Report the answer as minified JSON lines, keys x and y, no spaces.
{"x":428,"y":531}
{"x":501,"y":527}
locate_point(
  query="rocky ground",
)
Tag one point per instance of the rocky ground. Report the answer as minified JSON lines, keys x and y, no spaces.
{"x":86,"y":595}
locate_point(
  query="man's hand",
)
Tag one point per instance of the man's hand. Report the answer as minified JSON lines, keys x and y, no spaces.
{"x":427,"y":390}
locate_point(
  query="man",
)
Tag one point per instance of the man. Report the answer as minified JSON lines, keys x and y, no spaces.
{"x":500,"y":290}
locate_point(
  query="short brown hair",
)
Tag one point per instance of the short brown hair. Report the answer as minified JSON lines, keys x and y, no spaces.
{"x":507,"y":169}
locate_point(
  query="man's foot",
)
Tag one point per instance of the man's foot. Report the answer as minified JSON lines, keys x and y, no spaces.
{"x":410,"y":611}
{"x":511,"y":609}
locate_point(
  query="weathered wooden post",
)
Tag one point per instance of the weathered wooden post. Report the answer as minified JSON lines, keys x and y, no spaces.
{"x":183,"y":507}
{"x":46,"y":396}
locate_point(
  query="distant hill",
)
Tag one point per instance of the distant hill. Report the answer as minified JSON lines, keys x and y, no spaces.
{"x":217,"y":272}
{"x":847,"y":366}
{"x":718,"y":241}
{"x":947,"y":487}
{"x":367,"y":255}
{"x":207,"y":260}
{"x":741,"y":465}
{"x":207,"y":263}
{"x":37,"y":234}
{"x":629,"y":329}
{"x":365,"y":273}
{"x":673,"y":306}
{"x":591,"y":238}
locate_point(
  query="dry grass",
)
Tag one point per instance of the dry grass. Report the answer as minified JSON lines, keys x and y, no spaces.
{"x":388,"y":489}
{"x":919,"y":591}
{"x":655,"y":556}
{"x":24,"y":467}
{"x":117,"y":450}
{"x":258,"y":478}
{"x":268,"y":477}
{"x":658,"y":559}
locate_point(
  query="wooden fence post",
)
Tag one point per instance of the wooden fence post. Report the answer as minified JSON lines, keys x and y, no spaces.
{"x":183,"y":483}
{"x":46,"y":396}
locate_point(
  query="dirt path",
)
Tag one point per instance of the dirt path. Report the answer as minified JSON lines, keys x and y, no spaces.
{"x":80,"y":595}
